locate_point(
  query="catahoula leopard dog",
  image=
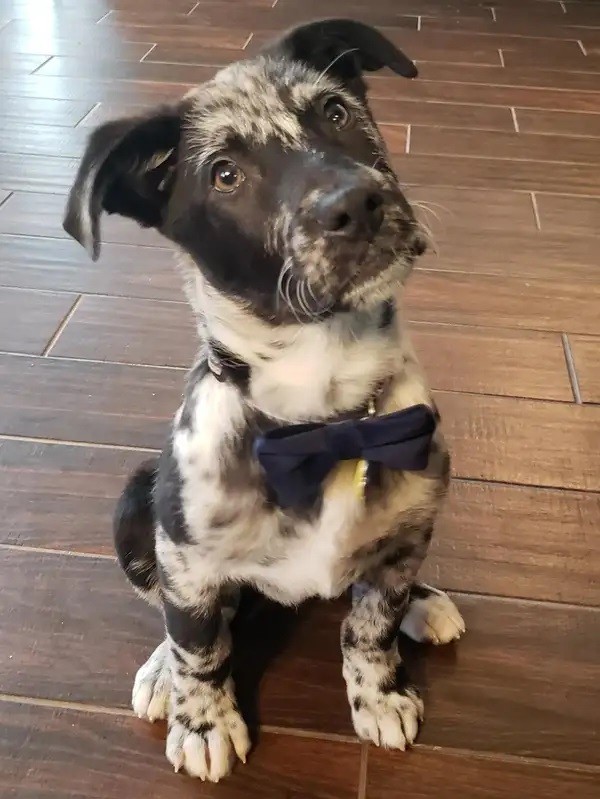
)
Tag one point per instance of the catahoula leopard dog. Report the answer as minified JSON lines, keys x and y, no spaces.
{"x":306,"y":458}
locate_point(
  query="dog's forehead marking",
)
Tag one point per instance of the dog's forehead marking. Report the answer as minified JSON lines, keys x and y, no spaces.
{"x":253,"y":101}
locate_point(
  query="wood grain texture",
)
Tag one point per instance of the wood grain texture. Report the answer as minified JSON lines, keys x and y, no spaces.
{"x":511,"y":76}
{"x":493,"y":361}
{"x":131,"y":331}
{"x":57,"y":496}
{"x":535,"y":543}
{"x":450,"y":115}
{"x":475,"y":299}
{"x":95,"y":402}
{"x":425,"y":774}
{"x":36,"y":173}
{"x":575,"y":214}
{"x":497,"y":173}
{"x":523,"y":441}
{"x":119,"y":755}
{"x":498,"y":144}
{"x":546,"y":254}
{"x":37,"y":214}
{"x":561,"y":122}
{"x":28,"y":319}
{"x":52,"y":140}
{"x":62,"y":264}
{"x":36,"y":111}
{"x":586,"y":352}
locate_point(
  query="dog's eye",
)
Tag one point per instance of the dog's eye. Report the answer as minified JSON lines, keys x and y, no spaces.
{"x":336,"y":112}
{"x":226,"y":176}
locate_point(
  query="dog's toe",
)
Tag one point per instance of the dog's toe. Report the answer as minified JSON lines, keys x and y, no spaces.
{"x":152,"y":686}
{"x":389,"y":719}
{"x":433,"y":619}
{"x":209,"y":754}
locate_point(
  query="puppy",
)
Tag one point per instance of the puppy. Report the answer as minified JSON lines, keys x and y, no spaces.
{"x":294,"y":236}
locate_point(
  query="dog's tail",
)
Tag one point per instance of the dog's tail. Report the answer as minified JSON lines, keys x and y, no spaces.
{"x":133,"y":531}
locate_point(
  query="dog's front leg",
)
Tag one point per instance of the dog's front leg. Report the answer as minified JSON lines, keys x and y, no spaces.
{"x":206,"y":730}
{"x":386,"y":709}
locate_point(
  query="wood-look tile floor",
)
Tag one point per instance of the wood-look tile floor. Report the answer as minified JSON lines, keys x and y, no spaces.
{"x":500,"y":142}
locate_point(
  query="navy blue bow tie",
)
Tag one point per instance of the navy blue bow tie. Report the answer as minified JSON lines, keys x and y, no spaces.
{"x":296,"y":459}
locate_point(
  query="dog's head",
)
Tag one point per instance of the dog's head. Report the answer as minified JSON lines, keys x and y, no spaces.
{"x":273,"y":176}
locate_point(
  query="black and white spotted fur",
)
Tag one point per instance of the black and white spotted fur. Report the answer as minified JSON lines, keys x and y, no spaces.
{"x":315,"y":318}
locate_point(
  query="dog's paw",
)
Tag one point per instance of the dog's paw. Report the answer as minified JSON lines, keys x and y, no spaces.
{"x":152,"y":686}
{"x":388,"y":719}
{"x":432,"y":618}
{"x":208,"y":751}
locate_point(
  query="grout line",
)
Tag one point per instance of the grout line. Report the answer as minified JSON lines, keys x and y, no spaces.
{"x":61,"y":326}
{"x":563,"y":6}
{"x":85,"y":707}
{"x":582,"y":47}
{"x":248,"y":40}
{"x":75,"y":359}
{"x":574,"y":380}
{"x":192,"y":9}
{"x":49,"y":551}
{"x":88,"y":113}
{"x":501,"y":56}
{"x":536,"y":210}
{"x":554,"y":603}
{"x":493,"y":11}
{"x":145,"y":56}
{"x":419,"y":22}
{"x":60,"y":704}
{"x":71,"y":443}
{"x":50,"y":57}
{"x":495,"y":481}
{"x":407,"y":143}
{"x":103,"y":17}
{"x":513,"y":112}
{"x":362,"y":774}
{"x":8,"y":196}
{"x":274,"y":3}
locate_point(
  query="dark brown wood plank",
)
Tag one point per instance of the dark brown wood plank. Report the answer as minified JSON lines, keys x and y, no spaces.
{"x":542,"y":255}
{"x":21,"y":42}
{"x":586,"y":352}
{"x":37,"y":173}
{"x":535,"y":543}
{"x":451,"y":115}
{"x":62,"y":264}
{"x":553,"y":305}
{"x":425,"y":774}
{"x":575,"y":214}
{"x":509,"y":76}
{"x":62,"y":497}
{"x":130,"y":330}
{"x":445,"y":210}
{"x":561,"y":122}
{"x":454,"y":92}
{"x":497,"y":173}
{"x":28,"y":319}
{"x":23,"y":111}
{"x":538,"y":58}
{"x":65,"y":67}
{"x":36,"y":214}
{"x":531,"y":442}
{"x":119,"y":755}
{"x":52,"y":140}
{"x":93,"y":402}
{"x":498,"y":144}
{"x":492,"y":361}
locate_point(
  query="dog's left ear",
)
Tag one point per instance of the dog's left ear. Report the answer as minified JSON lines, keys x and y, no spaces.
{"x":345,"y":49}
{"x":127,"y":169}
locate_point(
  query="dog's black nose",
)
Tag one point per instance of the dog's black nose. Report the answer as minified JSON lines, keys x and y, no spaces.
{"x":354,"y":211}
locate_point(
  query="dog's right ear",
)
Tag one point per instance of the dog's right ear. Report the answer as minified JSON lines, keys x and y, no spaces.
{"x":128,"y":169}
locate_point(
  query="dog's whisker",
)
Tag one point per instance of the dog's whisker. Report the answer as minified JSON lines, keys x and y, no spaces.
{"x":334,"y":61}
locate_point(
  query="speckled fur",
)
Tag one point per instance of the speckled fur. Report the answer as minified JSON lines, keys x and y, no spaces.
{"x":199,"y":523}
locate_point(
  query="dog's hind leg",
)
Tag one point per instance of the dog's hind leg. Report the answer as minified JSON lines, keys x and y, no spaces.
{"x":431,"y":616}
{"x":133,"y":532}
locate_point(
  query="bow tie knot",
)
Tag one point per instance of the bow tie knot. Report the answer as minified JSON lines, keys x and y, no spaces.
{"x":296,"y":459}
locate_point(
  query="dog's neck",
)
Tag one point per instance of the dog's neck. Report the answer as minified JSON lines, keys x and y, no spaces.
{"x":298,"y":372}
